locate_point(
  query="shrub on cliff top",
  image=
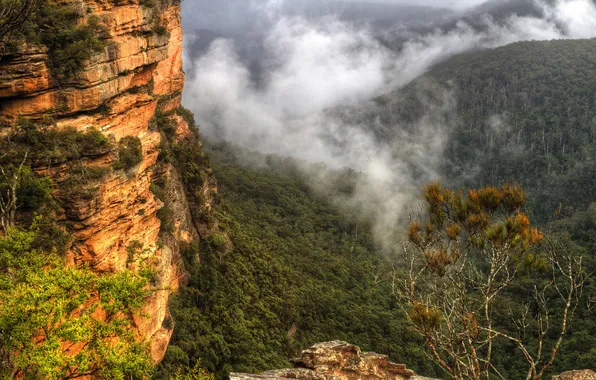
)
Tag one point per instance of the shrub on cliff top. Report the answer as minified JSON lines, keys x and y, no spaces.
{"x":69,"y":43}
{"x":48,"y":145}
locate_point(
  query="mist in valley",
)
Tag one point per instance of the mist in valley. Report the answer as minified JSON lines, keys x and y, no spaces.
{"x":298,"y":78}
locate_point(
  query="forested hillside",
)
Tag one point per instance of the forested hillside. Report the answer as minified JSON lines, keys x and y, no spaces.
{"x":525,"y":113}
{"x":300,"y":272}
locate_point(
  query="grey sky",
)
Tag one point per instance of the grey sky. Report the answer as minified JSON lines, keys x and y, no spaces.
{"x":437,"y":3}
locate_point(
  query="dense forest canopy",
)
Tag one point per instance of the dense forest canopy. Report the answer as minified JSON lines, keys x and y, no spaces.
{"x":522,"y":113}
{"x":285,"y":267}
{"x":525,"y":112}
{"x":301,"y":271}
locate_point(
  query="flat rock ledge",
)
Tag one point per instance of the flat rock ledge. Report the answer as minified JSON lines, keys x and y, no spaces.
{"x":337,"y":360}
{"x":585,"y":374}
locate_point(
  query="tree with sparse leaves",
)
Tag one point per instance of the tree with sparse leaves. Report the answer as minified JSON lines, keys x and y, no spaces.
{"x":13,"y":16}
{"x":466,"y":251}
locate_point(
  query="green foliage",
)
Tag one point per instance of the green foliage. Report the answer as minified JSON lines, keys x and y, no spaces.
{"x":158,"y":187}
{"x":63,"y":307}
{"x":166,"y":216}
{"x":130,"y":153}
{"x":47,"y":145}
{"x":34,"y":192}
{"x":14,"y":17}
{"x":523,"y":113}
{"x":165,"y":124}
{"x":70,"y":44}
{"x":300,"y":272}
{"x":187,"y":115}
{"x":186,"y":154}
{"x":196,"y":373}
{"x":148,"y":3}
{"x":218,"y":239}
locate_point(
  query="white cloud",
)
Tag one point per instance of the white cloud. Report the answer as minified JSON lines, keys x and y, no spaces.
{"x":315,"y":66}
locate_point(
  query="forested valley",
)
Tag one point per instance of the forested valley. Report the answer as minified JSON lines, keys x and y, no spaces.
{"x":303,"y":270}
{"x":132,"y":248}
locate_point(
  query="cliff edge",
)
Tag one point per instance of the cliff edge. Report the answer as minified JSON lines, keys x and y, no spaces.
{"x":129,"y":90}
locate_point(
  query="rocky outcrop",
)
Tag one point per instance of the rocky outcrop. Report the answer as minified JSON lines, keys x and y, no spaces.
{"x":337,"y":361}
{"x":577,"y":375}
{"x":118,"y":93}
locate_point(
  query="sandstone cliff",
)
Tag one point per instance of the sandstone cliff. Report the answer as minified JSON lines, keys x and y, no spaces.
{"x":118,"y":92}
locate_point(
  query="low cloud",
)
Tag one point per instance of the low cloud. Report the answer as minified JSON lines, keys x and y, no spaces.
{"x":312,"y":67}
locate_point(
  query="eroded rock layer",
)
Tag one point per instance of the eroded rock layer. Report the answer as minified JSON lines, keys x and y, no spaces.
{"x":577,"y":375}
{"x":117,"y":92}
{"x":337,"y":361}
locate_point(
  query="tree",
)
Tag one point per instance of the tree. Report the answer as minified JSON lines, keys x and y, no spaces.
{"x":466,"y":255}
{"x":13,"y":15}
{"x":12,"y":177}
{"x":58,"y":322}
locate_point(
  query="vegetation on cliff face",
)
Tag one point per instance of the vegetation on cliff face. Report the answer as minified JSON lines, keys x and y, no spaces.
{"x":40,"y":146}
{"x":56,"y":173}
{"x":70,"y":44}
{"x":59,"y":322}
{"x":14,"y":15}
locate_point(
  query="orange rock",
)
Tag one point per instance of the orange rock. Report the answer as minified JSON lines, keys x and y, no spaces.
{"x":117,"y":93}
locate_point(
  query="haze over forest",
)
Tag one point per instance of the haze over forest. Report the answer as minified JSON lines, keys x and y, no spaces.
{"x":414,"y":178}
{"x":271,"y":76}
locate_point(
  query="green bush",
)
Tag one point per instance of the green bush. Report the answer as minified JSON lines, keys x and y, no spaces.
{"x":188,"y":116}
{"x":218,"y":239}
{"x":165,"y":124}
{"x":165,"y":215}
{"x":130,"y":153}
{"x":70,"y":44}
{"x":148,"y":3}
{"x":34,"y":192}
{"x":48,"y":145}
{"x":62,"y":301}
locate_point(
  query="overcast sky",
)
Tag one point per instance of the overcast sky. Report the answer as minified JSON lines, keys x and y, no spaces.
{"x":437,"y":3}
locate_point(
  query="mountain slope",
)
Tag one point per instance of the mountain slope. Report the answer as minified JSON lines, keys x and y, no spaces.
{"x":300,"y":272}
{"x":525,"y":112}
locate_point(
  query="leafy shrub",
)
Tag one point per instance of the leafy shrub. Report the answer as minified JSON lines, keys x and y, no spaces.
{"x":165,"y":215}
{"x":165,"y":124}
{"x":148,"y":3}
{"x":69,"y":43}
{"x":188,"y":116}
{"x":93,"y":142}
{"x":61,"y":301}
{"x":33,"y":192}
{"x":49,"y":145}
{"x":218,"y":239}
{"x":130,"y":153}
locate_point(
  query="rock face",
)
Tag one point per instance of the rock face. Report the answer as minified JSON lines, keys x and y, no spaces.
{"x":576,"y":375}
{"x":118,"y":93}
{"x":337,"y":361}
